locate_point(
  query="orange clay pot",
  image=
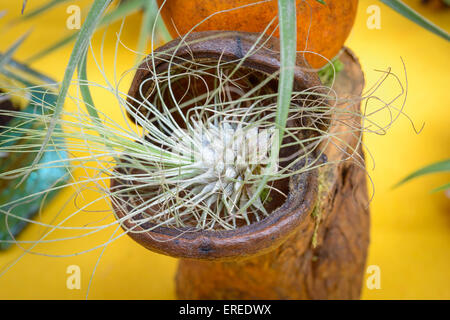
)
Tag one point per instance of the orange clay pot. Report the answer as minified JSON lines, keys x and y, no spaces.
{"x":329,"y":25}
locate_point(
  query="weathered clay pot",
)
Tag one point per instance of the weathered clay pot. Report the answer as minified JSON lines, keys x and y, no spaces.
{"x":312,"y":246}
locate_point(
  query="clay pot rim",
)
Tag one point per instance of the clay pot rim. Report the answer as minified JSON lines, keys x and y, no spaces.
{"x":229,"y":47}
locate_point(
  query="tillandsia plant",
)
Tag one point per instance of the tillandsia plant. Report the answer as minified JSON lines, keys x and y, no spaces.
{"x":22,"y":91}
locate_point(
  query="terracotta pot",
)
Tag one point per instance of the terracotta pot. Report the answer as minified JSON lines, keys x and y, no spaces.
{"x":248,"y":240}
{"x":312,"y":246}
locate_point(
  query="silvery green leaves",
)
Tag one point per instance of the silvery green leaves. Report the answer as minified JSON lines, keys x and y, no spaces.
{"x":226,"y":158}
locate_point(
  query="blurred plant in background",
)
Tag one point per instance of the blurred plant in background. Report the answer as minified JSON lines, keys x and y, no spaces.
{"x":438,"y":167}
{"x":24,"y":90}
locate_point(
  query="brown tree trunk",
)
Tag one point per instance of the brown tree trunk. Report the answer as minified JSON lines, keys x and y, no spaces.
{"x":325,"y":257}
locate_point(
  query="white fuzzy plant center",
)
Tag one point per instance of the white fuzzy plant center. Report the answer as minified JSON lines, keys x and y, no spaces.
{"x":228,"y":160}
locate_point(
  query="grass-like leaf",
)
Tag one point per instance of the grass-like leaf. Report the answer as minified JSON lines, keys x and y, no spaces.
{"x":288,"y":43}
{"x":5,"y":58}
{"x":25,"y":69}
{"x":40,"y":10}
{"x":442,"y":166}
{"x":24,"y":4}
{"x":441,"y":188}
{"x":415,"y":17}
{"x":148,"y":19}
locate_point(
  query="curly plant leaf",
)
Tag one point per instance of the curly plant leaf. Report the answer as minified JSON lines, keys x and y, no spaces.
{"x":438,"y":167}
{"x":415,"y":17}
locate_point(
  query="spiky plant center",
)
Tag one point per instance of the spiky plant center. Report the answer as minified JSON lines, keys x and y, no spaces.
{"x":228,"y":158}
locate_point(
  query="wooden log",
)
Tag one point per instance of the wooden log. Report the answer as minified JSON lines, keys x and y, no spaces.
{"x":325,"y":257}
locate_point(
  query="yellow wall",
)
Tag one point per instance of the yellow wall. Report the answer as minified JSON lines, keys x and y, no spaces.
{"x":410,"y":227}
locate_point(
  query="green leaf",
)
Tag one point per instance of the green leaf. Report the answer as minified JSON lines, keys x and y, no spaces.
{"x":6,"y":57}
{"x":86,"y":93}
{"x":18,"y":67}
{"x":24,"y":4}
{"x":288,"y":43}
{"x":442,"y":166}
{"x":415,"y":17}
{"x":329,"y":72}
{"x":78,"y":52}
{"x":441,"y":188}
{"x":150,"y":10}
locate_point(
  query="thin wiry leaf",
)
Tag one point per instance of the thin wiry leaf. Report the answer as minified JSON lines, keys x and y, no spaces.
{"x":415,"y":17}
{"x":4,"y":58}
{"x":23,"y":68}
{"x":441,"y":188}
{"x":442,"y":166}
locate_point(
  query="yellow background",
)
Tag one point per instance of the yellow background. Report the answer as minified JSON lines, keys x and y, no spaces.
{"x":410,"y":233}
